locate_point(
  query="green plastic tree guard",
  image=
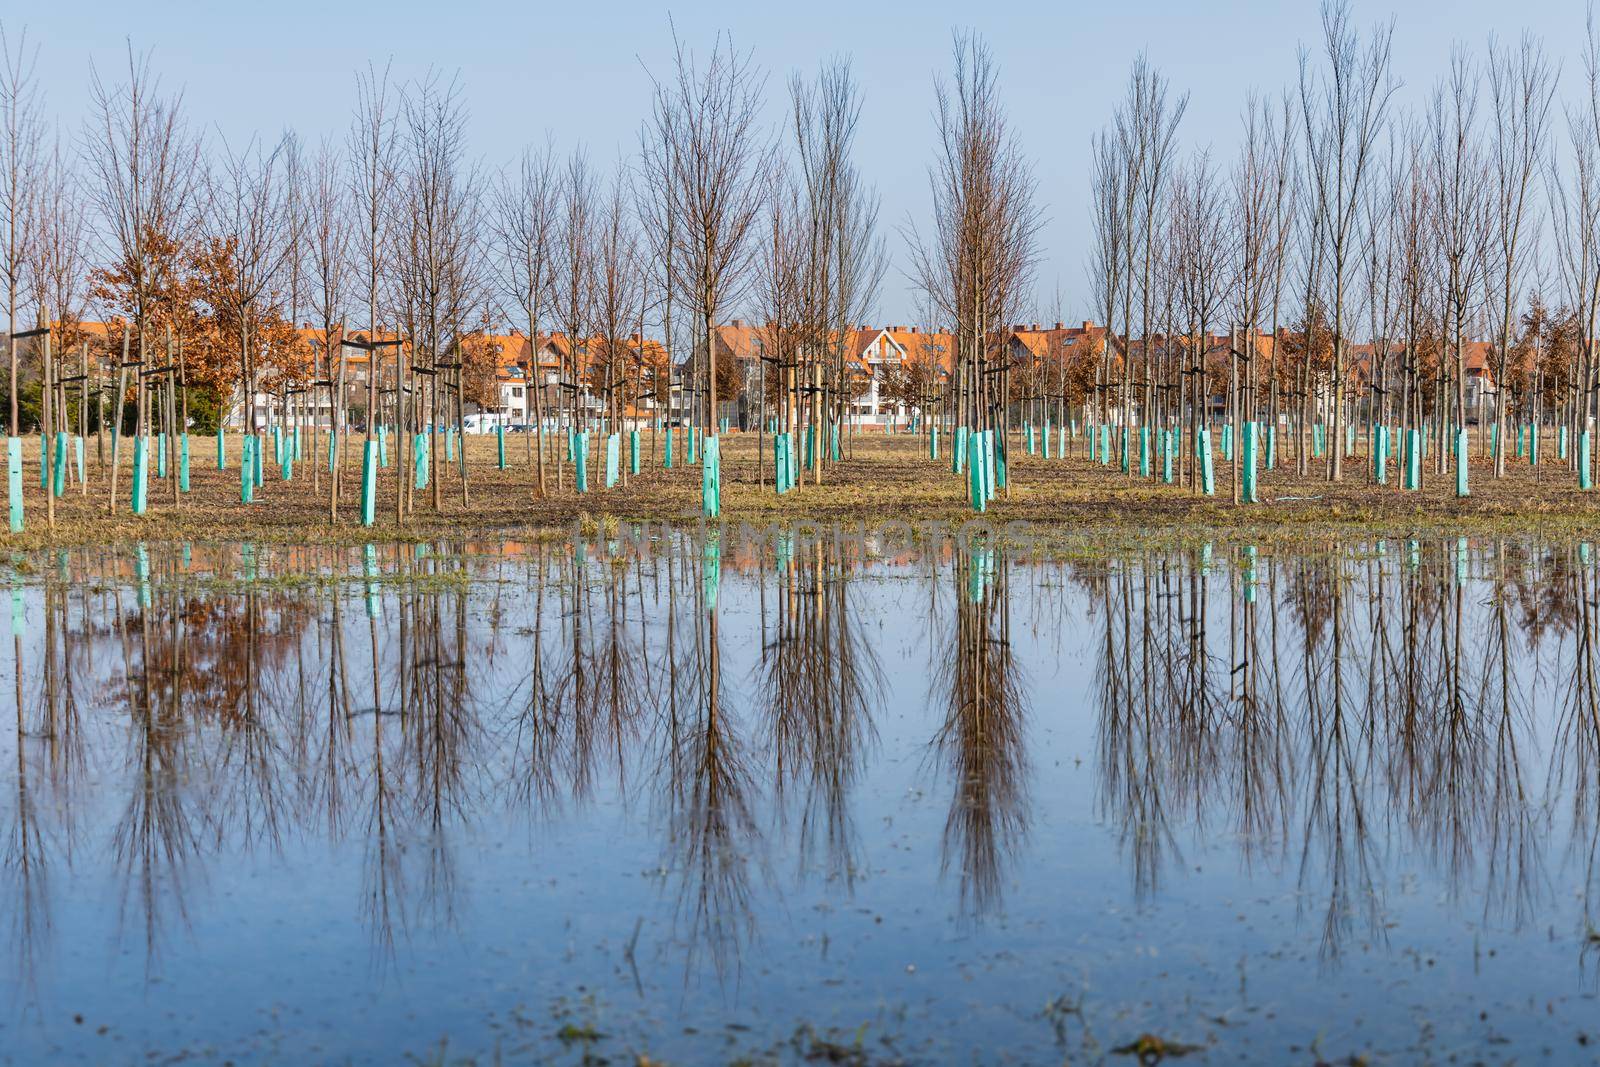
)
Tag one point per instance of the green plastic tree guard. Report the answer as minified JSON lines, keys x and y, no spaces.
{"x":613,"y":459}
{"x":1248,"y":458}
{"x":141,"y":449}
{"x":58,"y":465}
{"x":667,"y":459}
{"x":711,"y":479}
{"x":247,"y":472}
{"x":1461,"y":463}
{"x":419,"y":461}
{"x":580,"y":461}
{"x":222,"y":449}
{"x":183,"y":463}
{"x":633,"y":451}
{"x":369,"y":483}
{"x":1208,"y":474}
{"x":976,"y":495}
{"x":14,"y":481}
{"x":1585,"y":454}
{"x":500,"y":446}
{"x":1413,"y":459}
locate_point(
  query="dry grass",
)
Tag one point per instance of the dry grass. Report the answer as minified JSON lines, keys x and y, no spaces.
{"x":881,"y":478}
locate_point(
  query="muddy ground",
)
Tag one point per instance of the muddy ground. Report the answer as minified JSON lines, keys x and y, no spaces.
{"x":880,"y":477}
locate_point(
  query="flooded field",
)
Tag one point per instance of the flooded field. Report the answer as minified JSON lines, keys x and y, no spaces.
{"x":713,"y":802}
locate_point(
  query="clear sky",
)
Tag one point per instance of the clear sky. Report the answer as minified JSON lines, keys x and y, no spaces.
{"x":578,"y":71}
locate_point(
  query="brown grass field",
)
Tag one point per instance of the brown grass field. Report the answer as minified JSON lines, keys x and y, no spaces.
{"x":881,"y":477}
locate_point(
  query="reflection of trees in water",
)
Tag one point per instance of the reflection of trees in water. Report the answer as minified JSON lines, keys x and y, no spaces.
{"x":1575,"y":768}
{"x":1158,"y":688}
{"x":155,"y":841}
{"x":1330,"y":711}
{"x":1343,"y":703}
{"x":981,"y":686}
{"x":49,"y":758}
{"x":537,"y":756}
{"x":709,"y":780}
{"x":820,"y":681}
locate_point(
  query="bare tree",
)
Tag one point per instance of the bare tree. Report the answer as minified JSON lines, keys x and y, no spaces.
{"x":145,"y":165}
{"x":247,"y":225}
{"x":843,"y":258}
{"x":1108,"y":256}
{"x":525,"y":235}
{"x":329,"y":244}
{"x":658,"y":215}
{"x":1459,"y":180}
{"x":1147,"y":130}
{"x":56,"y":272}
{"x":1522,"y":85}
{"x":978,"y":263}
{"x":616,"y":292}
{"x":438,"y":267}
{"x":1202,"y":262}
{"x":373,"y":152}
{"x":1343,"y":108}
{"x":718,"y":160}
{"x":575,"y":283}
{"x":21,"y":134}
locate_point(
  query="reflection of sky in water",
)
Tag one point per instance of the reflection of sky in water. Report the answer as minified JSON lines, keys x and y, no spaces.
{"x":971,"y":806}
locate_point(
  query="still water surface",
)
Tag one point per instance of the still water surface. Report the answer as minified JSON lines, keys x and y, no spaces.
{"x":713,"y":802}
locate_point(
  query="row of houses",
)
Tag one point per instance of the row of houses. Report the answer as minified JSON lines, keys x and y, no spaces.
{"x":524,"y":369}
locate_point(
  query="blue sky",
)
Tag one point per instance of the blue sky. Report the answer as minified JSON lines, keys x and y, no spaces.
{"x":578,"y":71}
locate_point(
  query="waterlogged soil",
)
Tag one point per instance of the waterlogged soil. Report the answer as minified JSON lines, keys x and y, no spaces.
{"x":879,"y":476}
{"x":468,"y":803}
